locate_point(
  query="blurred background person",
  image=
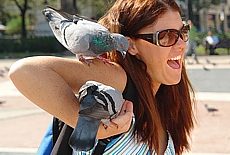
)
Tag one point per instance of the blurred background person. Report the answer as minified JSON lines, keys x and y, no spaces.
{"x":192,"y":44}
{"x":211,"y":42}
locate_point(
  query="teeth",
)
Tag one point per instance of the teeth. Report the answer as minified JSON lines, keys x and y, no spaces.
{"x":176,"y":58}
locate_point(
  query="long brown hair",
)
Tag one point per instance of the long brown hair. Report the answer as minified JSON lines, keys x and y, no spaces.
{"x":172,"y":106}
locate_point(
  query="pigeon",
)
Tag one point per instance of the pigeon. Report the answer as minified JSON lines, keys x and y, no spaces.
{"x":98,"y":103}
{"x":2,"y":101}
{"x":85,"y":38}
{"x":210,"y":109}
{"x":2,"y":73}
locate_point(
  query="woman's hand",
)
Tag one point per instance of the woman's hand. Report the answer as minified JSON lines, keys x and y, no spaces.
{"x":123,"y":121}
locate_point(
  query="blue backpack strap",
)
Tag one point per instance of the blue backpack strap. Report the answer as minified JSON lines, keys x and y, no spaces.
{"x":45,"y":147}
{"x":61,"y":134}
{"x":55,"y":141}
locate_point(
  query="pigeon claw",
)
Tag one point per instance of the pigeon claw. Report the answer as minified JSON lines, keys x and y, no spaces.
{"x":87,"y":61}
{"x":113,"y":124}
{"x":105,"y":126}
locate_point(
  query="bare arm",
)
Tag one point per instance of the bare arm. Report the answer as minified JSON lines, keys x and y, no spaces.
{"x":50,"y":83}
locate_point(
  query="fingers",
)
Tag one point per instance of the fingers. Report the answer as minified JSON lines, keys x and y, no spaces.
{"x":129,"y":106}
{"x":125,"y":117}
{"x":126,"y":107}
{"x":125,"y":114}
{"x":123,"y":122}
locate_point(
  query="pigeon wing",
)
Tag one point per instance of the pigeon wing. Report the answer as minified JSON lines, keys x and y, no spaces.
{"x":76,"y":39}
{"x":57,"y":34}
{"x":95,"y":110}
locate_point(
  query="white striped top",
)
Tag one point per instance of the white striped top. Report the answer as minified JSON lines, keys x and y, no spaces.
{"x":126,"y":144}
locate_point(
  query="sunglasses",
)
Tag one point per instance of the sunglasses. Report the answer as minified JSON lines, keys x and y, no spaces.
{"x":166,"y":38}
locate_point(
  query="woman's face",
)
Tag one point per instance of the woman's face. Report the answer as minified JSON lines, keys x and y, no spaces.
{"x":164,"y":64}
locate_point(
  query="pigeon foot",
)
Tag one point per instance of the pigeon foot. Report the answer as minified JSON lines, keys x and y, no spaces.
{"x":104,"y":60}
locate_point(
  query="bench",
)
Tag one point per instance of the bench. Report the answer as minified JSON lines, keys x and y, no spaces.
{"x":223,"y":43}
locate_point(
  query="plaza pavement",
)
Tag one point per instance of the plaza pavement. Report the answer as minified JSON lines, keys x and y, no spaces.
{"x":22,"y":124}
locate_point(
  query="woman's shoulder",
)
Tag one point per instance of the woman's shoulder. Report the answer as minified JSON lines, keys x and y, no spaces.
{"x":110,"y":74}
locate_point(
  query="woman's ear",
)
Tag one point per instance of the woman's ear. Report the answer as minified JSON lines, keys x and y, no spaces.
{"x":132,"y":47}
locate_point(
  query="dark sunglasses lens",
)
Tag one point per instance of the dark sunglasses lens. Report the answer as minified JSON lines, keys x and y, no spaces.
{"x":167,"y":38}
{"x":185,"y":33}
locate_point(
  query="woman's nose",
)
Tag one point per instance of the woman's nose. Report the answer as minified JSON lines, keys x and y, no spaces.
{"x":180,"y":43}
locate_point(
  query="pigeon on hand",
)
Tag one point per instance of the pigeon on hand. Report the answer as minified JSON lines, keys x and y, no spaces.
{"x":83,"y":37}
{"x":98,"y":103}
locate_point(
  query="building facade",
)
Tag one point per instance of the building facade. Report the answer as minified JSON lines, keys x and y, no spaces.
{"x":215,"y":18}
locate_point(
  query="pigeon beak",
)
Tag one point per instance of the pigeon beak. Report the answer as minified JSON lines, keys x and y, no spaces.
{"x":123,"y":54}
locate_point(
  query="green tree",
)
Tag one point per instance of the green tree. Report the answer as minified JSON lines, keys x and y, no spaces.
{"x":25,"y":10}
{"x":4,"y":14}
{"x":69,"y":6}
{"x":23,"y":7}
{"x":205,"y":4}
{"x":14,"y":26}
{"x":200,"y":4}
{"x":99,"y":7}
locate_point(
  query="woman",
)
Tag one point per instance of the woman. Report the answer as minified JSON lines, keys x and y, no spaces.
{"x":154,"y":64}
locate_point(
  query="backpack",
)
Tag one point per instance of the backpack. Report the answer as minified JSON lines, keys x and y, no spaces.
{"x":56,"y":139}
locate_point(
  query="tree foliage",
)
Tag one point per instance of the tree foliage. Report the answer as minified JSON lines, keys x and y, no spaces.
{"x":204,"y":4}
{"x":14,"y":26}
{"x":25,"y":10}
{"x":23,"y":7}
{"x":99,"y":7}
{"x":69,"y":6}
{"x":4,"y":15}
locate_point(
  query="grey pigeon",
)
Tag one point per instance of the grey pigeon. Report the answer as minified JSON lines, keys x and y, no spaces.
{"x":83,"y":37}
{"x":2,"y":101}
{"x":98,"y":102}
{"x":210,"y":109}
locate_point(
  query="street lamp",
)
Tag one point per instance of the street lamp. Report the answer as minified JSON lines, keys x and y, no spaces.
{"x":222,"y":15}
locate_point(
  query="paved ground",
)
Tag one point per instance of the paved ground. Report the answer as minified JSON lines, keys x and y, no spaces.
{"x":22,"y":124}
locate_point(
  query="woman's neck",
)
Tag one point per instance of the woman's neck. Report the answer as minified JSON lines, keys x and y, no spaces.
{"x":155,"y":87}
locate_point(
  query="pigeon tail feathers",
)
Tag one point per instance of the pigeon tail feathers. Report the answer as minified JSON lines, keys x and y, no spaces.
{"x":84,"y":135}
{"x":53,"y":16}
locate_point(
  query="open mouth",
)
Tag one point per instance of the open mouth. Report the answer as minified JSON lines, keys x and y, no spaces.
{"x":174,"y":62}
